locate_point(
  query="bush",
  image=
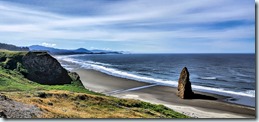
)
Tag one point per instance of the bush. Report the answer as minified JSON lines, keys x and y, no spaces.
{"x":21,"y":69}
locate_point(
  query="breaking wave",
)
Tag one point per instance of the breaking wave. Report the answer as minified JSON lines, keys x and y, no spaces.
{"x":103,"y":67}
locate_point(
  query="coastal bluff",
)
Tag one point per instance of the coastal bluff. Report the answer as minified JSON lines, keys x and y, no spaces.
{"x":44,"y":69}
{"x":38,"y":67}
{"x":184,"y":85}
{"x":21,"y":97}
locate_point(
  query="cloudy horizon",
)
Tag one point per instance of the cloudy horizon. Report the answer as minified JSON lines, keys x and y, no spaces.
{"x":142,"y":26}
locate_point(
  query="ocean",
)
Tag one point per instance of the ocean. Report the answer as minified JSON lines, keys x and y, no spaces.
{"x":224,"y":74}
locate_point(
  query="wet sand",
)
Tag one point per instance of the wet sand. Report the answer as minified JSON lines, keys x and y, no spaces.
{"x":203,"y":105}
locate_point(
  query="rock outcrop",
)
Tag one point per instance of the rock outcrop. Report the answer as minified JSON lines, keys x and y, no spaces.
{"x":12,"y":109}
{"x":44,"y":69}
{"x":184,"y":85}
{"x":74,"y":76}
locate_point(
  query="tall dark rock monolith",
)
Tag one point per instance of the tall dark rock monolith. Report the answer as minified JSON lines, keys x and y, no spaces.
{"x":184,"y":85}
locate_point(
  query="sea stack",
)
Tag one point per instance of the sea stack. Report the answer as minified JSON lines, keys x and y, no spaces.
{"x":184,"y":85}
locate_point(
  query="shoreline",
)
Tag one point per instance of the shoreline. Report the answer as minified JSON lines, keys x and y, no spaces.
{"x":207,"y":105}
{"x":245,"y":98}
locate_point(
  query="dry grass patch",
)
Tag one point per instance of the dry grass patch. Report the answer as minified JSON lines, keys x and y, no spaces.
{"x":62,"y":104}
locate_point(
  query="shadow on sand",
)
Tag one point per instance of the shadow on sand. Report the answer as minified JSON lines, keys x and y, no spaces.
{"x":203,"y":97}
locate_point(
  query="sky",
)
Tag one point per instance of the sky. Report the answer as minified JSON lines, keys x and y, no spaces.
{"x":137,"y":26}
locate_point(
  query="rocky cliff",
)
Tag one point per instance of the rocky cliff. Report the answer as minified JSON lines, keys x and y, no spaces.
{"x":44,"y":69}
{"x":39,"y":67}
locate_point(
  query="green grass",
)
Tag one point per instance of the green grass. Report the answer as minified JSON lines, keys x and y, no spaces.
{"x":11,"y":59}
{"x":75,"y":86}
{"x":7,"y":53}
{"x":12,"y":78}
{"x":145,"y":105}
{"x":13,"y":81}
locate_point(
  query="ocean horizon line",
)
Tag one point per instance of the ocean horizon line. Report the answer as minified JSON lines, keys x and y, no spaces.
{"x":191,"y":53}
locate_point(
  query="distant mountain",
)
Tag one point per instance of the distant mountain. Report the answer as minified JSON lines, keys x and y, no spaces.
{"x":56,"y":51}
{"x":59,"y":51}
{"x":80,"y":50}
{"x":12,"y":47}
{"x":105,"y":52}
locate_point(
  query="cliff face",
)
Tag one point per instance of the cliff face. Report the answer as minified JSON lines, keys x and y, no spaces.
{"x":39,"y":67}
{"x":44,"y":69}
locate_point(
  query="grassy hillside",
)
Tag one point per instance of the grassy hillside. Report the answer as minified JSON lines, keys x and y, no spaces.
{"x":70,"y":100}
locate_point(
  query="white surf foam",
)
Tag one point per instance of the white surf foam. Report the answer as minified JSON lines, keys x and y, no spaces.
{"x":208,"y":78}
{"x":114,"y":72}
{"x":97,"y":63}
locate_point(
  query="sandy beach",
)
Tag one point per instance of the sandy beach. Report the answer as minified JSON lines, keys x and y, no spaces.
{"x":204,"y":105}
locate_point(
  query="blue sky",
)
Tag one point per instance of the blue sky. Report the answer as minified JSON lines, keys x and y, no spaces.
{"x":140,"y":26}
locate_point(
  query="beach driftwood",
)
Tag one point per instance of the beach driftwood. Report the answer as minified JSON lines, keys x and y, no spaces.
{"x":184,"y":85}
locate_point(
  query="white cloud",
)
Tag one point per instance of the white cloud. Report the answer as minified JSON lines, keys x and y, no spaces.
{"x":31,"y":24}
{"x":95,"y":48}
{"x":48,"y":44}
